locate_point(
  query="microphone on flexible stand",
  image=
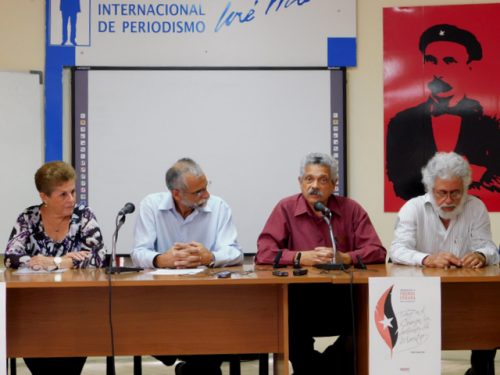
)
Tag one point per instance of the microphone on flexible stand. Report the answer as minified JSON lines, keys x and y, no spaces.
{"x":318,"y":206}
{"x":327,"y":217}
{"x":120,"y":220}
{"x":127,"y":209}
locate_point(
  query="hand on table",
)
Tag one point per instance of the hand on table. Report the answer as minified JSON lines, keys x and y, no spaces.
{"x":185,"y":255}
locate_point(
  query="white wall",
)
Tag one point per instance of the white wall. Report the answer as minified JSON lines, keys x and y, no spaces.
{"x":22,"y":47}
{"x":22,"y":34}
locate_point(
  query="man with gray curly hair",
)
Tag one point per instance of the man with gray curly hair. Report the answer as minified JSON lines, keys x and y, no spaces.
{"x":298,"y":232}
{"x":447,"y":227}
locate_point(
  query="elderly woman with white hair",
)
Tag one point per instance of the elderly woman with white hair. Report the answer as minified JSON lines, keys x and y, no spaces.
{"x":447,"y":227}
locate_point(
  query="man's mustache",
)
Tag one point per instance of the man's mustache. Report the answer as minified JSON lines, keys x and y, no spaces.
{"x":314,"y":191}
{"x":201,"y":203}
{"x":452,"y":206}
{"x":437,"y":85}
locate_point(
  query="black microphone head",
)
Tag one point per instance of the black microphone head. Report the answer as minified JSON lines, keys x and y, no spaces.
{"x":318,"y":206}
{"x":127,"y":209}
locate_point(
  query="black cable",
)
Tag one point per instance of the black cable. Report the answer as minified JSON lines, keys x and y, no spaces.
{"x":111,"y":363}
{"x":353,"y":316}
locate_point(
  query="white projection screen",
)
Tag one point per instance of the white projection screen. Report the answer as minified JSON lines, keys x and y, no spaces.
{"x":247,"y":128}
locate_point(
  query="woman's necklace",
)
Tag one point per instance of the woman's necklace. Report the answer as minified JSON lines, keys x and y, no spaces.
{"x":55,"y":225}
{"x":58,"y":227}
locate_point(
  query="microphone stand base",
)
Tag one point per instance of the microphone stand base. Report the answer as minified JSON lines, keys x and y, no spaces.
{"x":332,"y":266}
{"x":113,"y":270}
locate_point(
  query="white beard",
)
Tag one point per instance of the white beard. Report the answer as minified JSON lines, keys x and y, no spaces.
{"x":196,"y":205}
{"x":449,"y":215}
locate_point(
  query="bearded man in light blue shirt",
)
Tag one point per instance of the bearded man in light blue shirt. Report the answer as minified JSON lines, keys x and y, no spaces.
{"x":185,"y":227}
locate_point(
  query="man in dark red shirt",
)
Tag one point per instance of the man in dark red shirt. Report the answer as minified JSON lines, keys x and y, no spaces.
{"x":295,"y":227}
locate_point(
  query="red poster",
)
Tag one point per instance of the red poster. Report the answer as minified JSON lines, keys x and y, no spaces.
{"x":441,"y":93}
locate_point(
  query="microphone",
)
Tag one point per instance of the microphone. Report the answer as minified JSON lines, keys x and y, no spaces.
{"x":318,"y":206}
{"x":127,"y":209}
{"x":360,"y":263}
{"x":327,"y":217}
{"x":277,"y":258}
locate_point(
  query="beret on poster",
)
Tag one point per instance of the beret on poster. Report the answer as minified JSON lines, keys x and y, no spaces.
{"x":450,"y":33}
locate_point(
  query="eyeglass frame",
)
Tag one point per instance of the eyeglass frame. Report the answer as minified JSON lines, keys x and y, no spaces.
{"x":200,"y":192}
{"x":453,"y":194}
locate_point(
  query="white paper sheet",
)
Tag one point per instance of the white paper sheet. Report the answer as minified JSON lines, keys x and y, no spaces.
{"x":30,"y":271}
{"x":170,"y":272}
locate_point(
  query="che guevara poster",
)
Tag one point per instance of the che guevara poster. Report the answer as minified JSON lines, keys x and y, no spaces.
{"x":441,"y":82}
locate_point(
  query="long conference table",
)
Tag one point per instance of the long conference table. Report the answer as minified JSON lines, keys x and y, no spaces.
{"x":67,"y":314}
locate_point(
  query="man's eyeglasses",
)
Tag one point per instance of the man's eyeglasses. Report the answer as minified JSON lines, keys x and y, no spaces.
{"x":322,"y":180}
{"x":199,"y":193}
{"x":454,"y":194}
